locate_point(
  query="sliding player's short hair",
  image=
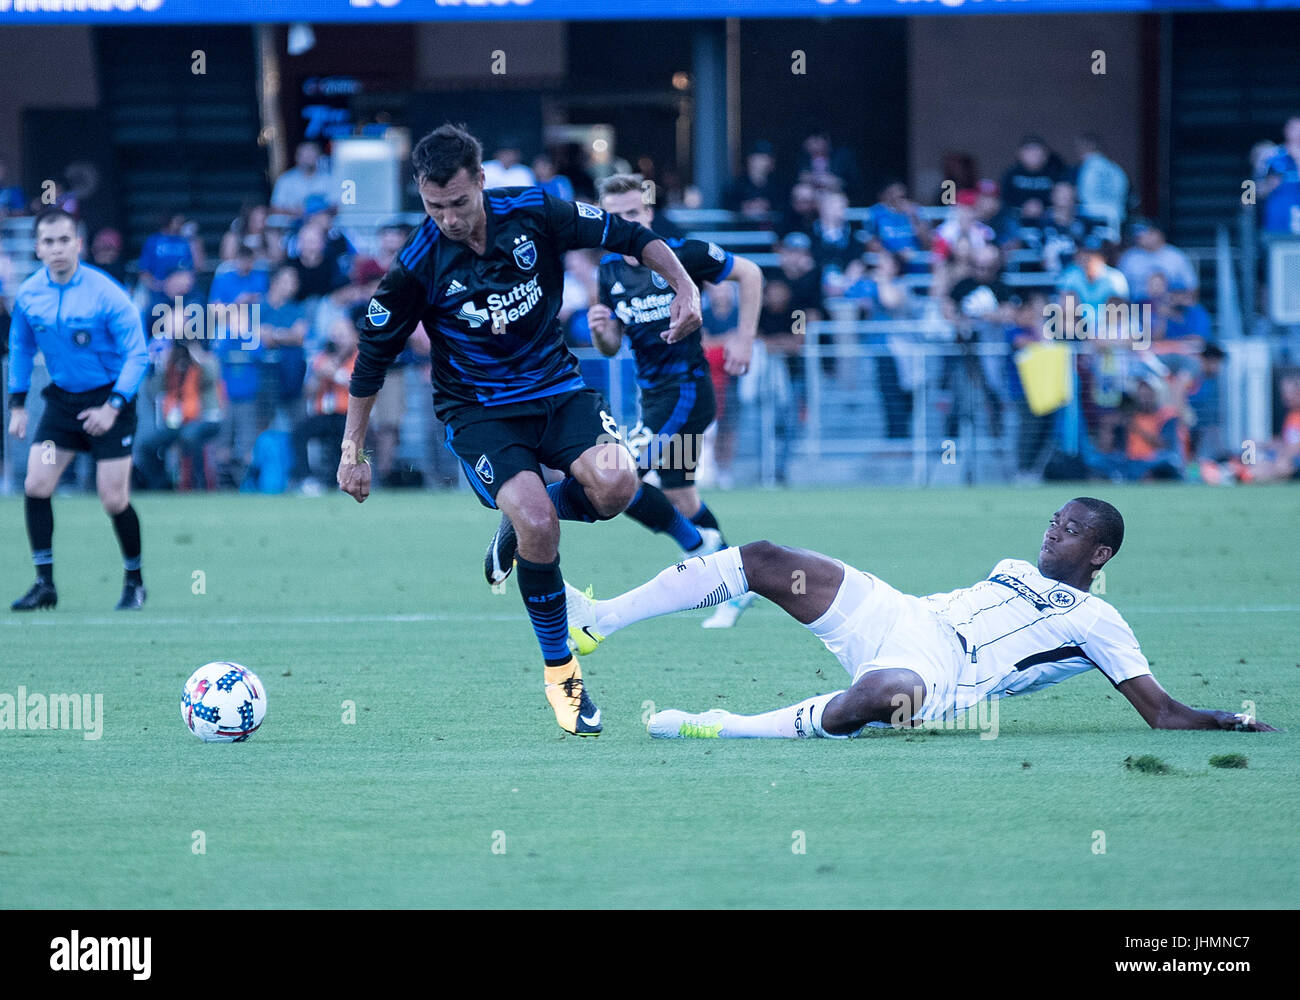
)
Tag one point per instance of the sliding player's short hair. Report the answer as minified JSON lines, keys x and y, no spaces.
{"x":1107,"y":520}
{"x":51,"y":215}
{"x":621,"y":184}
{"x":443,"y":152}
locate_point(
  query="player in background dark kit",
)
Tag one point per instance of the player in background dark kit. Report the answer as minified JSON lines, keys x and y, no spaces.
{"x":92,"y":338}
{"x":677,"y":399}
{"x":484,"y":274}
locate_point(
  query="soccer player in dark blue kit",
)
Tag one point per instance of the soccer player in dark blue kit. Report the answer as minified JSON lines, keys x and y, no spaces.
{"x":92,"y":338}
{"x":677,"y":399}
{"x":484,"y":274}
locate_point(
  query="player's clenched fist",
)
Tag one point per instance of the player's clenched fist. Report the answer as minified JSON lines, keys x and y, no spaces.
{"x":601,"y":320}
{"x":354,"y":477}
{"x":18,"y":422}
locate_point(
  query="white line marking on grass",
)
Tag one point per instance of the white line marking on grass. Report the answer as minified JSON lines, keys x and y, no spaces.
{"x":262,"y":620}
{"x":118,"y":621}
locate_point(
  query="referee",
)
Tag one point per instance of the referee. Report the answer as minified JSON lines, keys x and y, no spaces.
{"x":94,"y":347}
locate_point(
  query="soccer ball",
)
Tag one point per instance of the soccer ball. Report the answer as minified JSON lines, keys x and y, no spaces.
{"x":223,"y":703}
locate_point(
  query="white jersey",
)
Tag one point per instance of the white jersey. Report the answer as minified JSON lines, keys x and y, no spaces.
{"x":1023,"y":631}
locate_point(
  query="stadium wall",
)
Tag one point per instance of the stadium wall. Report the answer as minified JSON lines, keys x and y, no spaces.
{"x":979,"y":84}
{"x":26,"y":55}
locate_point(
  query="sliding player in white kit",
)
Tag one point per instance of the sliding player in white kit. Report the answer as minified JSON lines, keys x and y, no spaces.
{"x":917,"y":659}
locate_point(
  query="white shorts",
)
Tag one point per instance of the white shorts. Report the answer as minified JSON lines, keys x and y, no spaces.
{"x":871,"y":626}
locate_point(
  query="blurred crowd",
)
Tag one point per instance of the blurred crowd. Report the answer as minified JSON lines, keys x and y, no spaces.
{"x":989,"y":258}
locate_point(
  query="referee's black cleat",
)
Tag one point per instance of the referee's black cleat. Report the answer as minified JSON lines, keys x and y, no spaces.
{"x":500,"y":559}
{"x":42,"y":595}
{"x":133,"y":595}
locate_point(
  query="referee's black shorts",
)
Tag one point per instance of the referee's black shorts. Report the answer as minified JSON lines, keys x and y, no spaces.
{"x":675,"y":418}
{"x":495,"y":443}
{"x":59,"y":423}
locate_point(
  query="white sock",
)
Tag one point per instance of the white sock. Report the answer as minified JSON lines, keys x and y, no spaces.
{"x":794,"y":722}
{"x":700,"y":582}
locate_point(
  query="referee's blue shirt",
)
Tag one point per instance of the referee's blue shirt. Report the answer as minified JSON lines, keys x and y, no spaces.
{"x":88,"y":329}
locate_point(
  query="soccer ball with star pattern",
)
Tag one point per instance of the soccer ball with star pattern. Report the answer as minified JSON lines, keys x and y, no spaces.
{"x":223,"y":703}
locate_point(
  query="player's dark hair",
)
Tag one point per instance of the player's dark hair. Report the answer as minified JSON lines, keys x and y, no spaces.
{"x":51,"y":215}
{"x":620,"y":184}
{"x":444,"y":151}
{"x":1107,"y":521}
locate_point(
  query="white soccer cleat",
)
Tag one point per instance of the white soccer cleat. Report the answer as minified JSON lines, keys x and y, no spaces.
{"x":581,"y":609}
{"x":710,"y":542}
{"x":728,"y":612}
{"x":673,"y":724}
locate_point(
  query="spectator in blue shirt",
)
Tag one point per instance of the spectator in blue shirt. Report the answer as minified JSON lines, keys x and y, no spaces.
{"x":239,"y":282}
{"x":893,"y":223}
{"x":92,"y":338}
{"x":174,"y":247}
{"x":548,"y":180}
{"x":12,"y":200}
{"x":1281,"y":185}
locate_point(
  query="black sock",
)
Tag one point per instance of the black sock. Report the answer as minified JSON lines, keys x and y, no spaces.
{"x":704,"y":518}
{"x":651,"y":508}
{"x":127,"y":526}
{"x":570,"y":500}
{"x":542,"y":588}
{"x":40,"y":533}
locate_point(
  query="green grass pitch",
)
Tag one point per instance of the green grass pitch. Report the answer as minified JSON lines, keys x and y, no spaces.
{"x":454,"y":787}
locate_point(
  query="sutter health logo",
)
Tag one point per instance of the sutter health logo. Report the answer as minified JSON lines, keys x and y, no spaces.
{"x":75,"y":953}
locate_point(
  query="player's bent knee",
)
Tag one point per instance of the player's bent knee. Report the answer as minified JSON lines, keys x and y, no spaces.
{"x":39,"y":488}
{"x":763,"y":565}
{"x":892,"y":696}
{"x":114,"y":503}
{"x":612,"y":491}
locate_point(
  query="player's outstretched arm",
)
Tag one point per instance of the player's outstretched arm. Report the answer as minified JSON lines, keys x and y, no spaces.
{"x":1161,"y":711}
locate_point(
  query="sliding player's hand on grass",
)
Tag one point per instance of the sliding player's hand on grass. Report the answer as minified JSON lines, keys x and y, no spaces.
{"x":1243,"y":723}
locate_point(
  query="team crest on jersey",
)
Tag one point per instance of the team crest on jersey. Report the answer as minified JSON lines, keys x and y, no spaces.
{"x":716,"y":252}
{"x":483,"y":468}
{"x":659,"y":280}
{"x":1061,"y":598}
{"x":376,"y":313}
{"x":588,"y":211}
{"x":525,"y":253}
{"x":472,"y":315}
{"x":81,"y":338}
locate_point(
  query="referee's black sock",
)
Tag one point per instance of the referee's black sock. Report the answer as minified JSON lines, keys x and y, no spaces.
{"x":651,"y":508}
{"x":40,"y":533}
{"x":127,"y":526}
{"x":542,"y":588}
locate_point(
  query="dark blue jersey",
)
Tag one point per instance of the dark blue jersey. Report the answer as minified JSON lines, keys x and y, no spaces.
{"x":491,"y":320}
{"x":641,"y":300}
